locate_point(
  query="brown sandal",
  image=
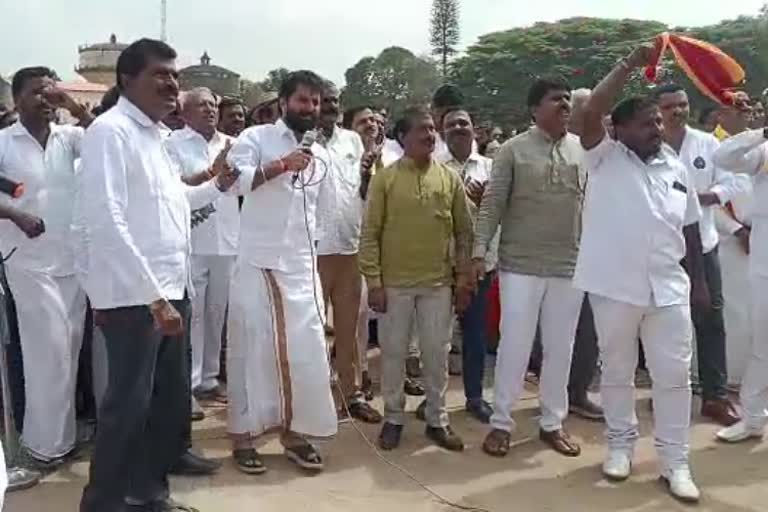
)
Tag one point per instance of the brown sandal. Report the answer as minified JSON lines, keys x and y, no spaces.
{"x":561,"y":442}
{"x":363,"y":412}
{"x":496,"y":443}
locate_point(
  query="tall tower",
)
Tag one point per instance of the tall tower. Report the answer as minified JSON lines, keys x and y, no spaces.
{"x":163,"y":20}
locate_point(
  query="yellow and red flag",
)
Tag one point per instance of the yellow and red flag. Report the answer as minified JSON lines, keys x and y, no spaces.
{"x":713,"y":72}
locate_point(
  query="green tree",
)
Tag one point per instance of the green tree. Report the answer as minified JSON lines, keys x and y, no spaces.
{"x":495,"y":73}
{"x":393,"y":79}
{"x":250,"y":91}
{"x":274,"y":79}
{"x":444,"y":31}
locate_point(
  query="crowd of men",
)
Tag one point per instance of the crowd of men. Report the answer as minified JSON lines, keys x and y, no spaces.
{"x":174,"y":229}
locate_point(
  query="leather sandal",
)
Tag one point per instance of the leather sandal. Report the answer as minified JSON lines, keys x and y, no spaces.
{"x":496,"y":443}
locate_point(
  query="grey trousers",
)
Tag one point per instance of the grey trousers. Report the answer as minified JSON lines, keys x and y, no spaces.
{"x":432,"y":311}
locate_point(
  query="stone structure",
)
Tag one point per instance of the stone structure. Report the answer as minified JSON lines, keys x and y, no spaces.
{"x":5,"y":92}
{"x":220,"y":80}
{"x":97,"y":62}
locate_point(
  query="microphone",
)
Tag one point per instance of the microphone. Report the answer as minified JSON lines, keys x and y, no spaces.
{"x":309,"y":138}
{"x":11,"y":188}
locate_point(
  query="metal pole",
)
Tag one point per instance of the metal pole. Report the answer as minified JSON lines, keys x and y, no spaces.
{"x":18,"y":478}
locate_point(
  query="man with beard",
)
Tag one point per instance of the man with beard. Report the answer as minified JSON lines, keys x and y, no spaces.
{"x":278,"y":374}
{"x":134,"y":261}
{"x":715,"y":188}
{"x":416,"y":209}
{"x":231,"y":116}
{"x":474,"y":171}
{"x":536,"y":191}
{"x":640,"y":220}
{"x":35,"y":238}
{"x":339,"y":213}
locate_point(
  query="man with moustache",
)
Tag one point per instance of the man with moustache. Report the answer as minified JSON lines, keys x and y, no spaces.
{"x":715,"y":187}
{"x":134,"y":262}
{"x":278,"y":374}
{"x":417,"y":208}
{"x":339,"y":213}
{"x":474,"y":171}
{"x":536,"y":192}
{"x":35,"y":239}
{"x":641,"y":219}
{"x":231,"y":116}
{"x":198,"y":150}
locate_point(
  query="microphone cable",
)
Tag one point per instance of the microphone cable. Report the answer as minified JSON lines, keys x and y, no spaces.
{"x":303,"y":185}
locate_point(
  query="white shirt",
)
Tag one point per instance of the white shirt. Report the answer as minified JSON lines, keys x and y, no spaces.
{"x":276,"y":230}
{"x":632,"y":239}
{"x":697,"y":154}
{"x":339,"y":206}
{"x":391,"y":152}
{"x":48,"y":175}
{"x":135,"y":210}
{"x":747,"y":153}
{"x":477,"y":168}
{"x":218,"y":234}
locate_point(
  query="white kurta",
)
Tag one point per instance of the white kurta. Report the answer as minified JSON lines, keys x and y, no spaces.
{"x":278,"y":372}
{"x":50,"y":304}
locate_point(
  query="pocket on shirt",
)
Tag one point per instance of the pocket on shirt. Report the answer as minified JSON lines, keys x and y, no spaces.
{"x":675,"y":206}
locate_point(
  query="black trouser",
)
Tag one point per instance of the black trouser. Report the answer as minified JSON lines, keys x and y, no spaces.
{"x":145,"y":408}
{"x":585,"y":354}
{"x":583,"y":360}
{"x":710,"y":333}
{"x":14,"y":356}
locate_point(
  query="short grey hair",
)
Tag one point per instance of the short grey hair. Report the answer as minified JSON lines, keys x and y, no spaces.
{"x":580,"y":95}
{"x":195,"y":93}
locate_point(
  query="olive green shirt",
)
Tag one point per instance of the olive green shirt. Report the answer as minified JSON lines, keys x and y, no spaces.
{"x":536,"y":192}
{"x":412,"y":218}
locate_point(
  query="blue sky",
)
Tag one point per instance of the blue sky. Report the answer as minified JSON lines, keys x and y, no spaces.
{"x":254,"y":36}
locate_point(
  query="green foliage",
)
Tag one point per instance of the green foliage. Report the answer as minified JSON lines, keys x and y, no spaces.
{"x":394,"y":79}
{"x":444,"y":31}
{"x":274,"y":79}
{"x":495,"y":73}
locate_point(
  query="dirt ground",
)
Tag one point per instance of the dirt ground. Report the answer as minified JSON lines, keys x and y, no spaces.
{"x":530,"y":478}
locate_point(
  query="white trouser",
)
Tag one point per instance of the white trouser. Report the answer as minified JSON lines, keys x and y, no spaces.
{"x":667,"y":335}
{"x":51,"y":315}
{"x":211,"y":276}
{"x":754,"y":387}
{"x":527,"y":301}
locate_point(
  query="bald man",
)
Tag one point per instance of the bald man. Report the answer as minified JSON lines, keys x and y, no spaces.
{"x":198,"y":151}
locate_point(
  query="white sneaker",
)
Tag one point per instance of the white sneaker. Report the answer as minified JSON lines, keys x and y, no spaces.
{"x":681,"y":485}
{"x":617,"y":466}
{"x":739,"y":433}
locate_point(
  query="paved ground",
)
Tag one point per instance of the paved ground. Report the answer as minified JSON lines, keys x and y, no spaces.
{"x":531,"y":478}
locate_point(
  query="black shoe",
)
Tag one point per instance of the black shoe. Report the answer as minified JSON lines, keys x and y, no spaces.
{"x":389,"y":439}
{"x":421,"y":411}
{"x":446,"y":438}
{"x":480,"y":410}
{"x":413,"y":388}
{"x":161,"y":506}
{"x":191,"y":464}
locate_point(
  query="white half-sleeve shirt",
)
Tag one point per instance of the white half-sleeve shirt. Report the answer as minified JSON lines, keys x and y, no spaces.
{"x":632,"y":241}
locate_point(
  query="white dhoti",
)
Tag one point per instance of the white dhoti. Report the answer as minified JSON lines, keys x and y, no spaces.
{"x":526,"y":302}
{"x":667,"y":334}
{"x":277,"y":365}
{"x":51,"y":317}
{"x":211,"y":276}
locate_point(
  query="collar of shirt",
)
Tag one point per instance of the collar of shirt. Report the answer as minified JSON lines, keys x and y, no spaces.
{"x":188,"y":133}
{"x":128,"y":108}
{"x":535,"y":130}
